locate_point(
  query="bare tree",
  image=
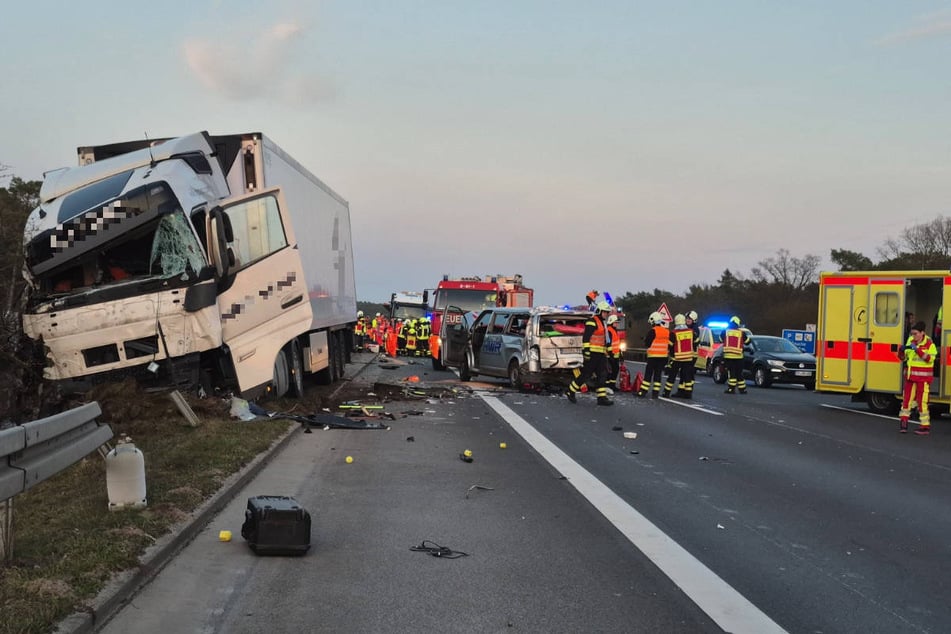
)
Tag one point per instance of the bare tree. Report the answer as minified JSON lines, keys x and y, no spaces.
{"x":920,"y":245}
{"x":787,"y":271}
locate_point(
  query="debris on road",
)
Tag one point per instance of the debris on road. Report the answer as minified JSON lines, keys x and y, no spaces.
{"x":436,"y":550}
{"x":478,"y":487}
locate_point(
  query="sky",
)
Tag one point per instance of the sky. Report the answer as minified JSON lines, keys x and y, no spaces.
{"x":616,"y":145}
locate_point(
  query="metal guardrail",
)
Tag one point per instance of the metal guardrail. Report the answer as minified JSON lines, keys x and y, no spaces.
{"x":35,"y":451}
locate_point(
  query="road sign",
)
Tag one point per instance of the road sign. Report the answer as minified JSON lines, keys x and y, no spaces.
{"x":665,"y":312}
{"x":805,"y":340}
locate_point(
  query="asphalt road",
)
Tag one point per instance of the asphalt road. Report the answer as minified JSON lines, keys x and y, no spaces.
{"x":770,"y":510}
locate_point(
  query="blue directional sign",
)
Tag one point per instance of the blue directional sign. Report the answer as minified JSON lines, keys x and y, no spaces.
{"x":805,"y":340}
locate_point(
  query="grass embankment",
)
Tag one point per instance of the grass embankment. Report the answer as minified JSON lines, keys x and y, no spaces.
{"x":68,"y":544}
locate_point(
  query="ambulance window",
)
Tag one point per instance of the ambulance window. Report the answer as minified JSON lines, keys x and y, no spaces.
{"x":886,"y":309}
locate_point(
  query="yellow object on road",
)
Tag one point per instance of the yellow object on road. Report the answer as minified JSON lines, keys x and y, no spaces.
{"x":224,"y":536}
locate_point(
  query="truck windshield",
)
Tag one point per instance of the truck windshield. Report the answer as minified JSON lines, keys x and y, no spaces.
{"x":467,"y":299}
{"x":404,"y":311}
{"x":150,"y":238}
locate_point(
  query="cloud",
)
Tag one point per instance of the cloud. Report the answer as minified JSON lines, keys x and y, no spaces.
{"x":929,"y":26}
{"x":265,"y":64}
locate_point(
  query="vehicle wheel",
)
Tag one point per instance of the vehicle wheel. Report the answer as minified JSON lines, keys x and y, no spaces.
{"x":761,"y":377}
{"x":811,"y":386}
{"x":437,"y":365}
{"x":515,"y":375}
{"x":295,"y":367}
{"x":719,"y":373}
{"x":281,"y":380}
{"x":706,"y":368}
{"x":882,"y":403}
{"x":465,"y":374}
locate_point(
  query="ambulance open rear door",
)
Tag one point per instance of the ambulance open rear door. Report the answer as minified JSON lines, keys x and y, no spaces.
{"x":843,"y":333}
{"x":886,"y":332}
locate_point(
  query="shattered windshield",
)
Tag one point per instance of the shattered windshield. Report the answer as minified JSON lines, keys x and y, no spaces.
{"x":145,"y":234}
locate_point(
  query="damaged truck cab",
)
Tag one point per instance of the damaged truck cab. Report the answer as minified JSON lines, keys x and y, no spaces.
{"x":177,"y":261}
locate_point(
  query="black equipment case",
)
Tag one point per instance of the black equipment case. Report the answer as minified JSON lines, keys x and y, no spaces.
{"x":276,"y":525}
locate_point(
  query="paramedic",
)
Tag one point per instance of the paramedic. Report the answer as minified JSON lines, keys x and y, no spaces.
{"x":919,"y":354}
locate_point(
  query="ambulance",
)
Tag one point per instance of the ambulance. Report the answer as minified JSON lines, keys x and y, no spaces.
{"x":861,"y":330}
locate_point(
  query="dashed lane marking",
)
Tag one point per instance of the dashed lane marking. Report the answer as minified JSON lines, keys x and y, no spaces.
{"x":699,"y":408}
{"x":721,"y":602}
{"x":865,"y":413}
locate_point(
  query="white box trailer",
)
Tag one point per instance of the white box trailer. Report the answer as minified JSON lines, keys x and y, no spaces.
{"x":212,"y":259}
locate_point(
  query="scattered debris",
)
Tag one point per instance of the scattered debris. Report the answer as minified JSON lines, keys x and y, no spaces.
{"x":703,"y":458}
{"x":411,"y":439}
{"x":436,"y":550}
{"x":465,"y":458}
{"x":720,"y":526}
{"x":478,"y":487}
{"x":617,"y":428}
{"x":630,"y":435}
{"x":634,"y":451}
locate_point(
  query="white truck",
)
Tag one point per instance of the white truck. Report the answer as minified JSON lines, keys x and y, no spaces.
{"x":205,"y":260}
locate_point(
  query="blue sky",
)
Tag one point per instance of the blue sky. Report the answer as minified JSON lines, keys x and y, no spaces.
{"x":624,"y":146}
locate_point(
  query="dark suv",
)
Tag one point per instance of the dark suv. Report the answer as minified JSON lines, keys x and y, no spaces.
{"x":769,"y":360}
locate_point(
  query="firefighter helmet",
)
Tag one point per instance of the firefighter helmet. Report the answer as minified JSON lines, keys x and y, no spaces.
{"x":680,"y":320}
{"x":604,"y":306}
{"x":692,"y":315}
{"x":735,"y":320}
{"x":612,"y":319}
{"x":359,"y":313}
{"x":655,"y":319}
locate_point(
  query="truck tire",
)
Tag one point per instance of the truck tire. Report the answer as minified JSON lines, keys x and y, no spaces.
{"x":281,"y":380}
{"x":882,"y":403}
{"x":761,"y":377}
{"x":295,"y":366}
{"x":515,"y":375}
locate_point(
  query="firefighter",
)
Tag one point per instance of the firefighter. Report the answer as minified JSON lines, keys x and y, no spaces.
{"x":613,"y":349}
{"x":401,"y":337}
{"x":593,"y":347}
{"x":592,"y":299}
{"x":410,"y":328}
{"x":687,"y":380}
{"x":423,"y":331}
{"x":734,"y":337}
{"x":359,"y":332}
{"x":657,"y":343}
{"x":919,"y":353}
{"x":681,"y":350}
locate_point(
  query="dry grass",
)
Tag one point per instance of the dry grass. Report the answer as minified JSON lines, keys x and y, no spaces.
{"x":68,"y":544}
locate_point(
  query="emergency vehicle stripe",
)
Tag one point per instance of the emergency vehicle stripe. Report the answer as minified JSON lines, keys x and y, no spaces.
{"x":947,"y":281}
{"x":888,"y":282}
{"x":877,"y":351}
{"x":844,"y":281}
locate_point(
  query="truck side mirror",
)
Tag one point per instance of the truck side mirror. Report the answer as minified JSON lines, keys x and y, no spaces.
{"x":426,"y":297}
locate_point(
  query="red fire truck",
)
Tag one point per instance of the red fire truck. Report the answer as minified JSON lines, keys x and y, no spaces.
{"x":473,"y":294}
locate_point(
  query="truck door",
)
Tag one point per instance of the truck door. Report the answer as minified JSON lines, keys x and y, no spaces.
{"x":264,"y":301}
{"x":886,"y":335}
{"x":844,"y":324}
{"x":454,"y":336}
{"x":944,"y":346}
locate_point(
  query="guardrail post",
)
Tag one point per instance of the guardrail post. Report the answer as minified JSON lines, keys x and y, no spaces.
{"x":6,"y":530}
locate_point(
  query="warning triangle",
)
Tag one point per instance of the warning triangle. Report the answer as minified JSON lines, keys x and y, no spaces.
{"x":665,"y":312}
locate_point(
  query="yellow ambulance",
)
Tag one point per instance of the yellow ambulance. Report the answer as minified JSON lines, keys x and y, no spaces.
{"x":862,"y":325}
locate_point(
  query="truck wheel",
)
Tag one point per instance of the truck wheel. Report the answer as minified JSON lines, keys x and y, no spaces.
{"x":437,"y":365}
{"x":882,"y":403}
{"x":281,"y":379}
{"x":761,"y":377}
{"x":719,"y":373}
{"x":295,"y":366}
{"x":515,"y":375}
{"x":465,"y":374}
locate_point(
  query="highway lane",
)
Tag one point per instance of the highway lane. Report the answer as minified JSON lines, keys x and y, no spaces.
{"x":541,"y":559}
{"x":827,"y":520}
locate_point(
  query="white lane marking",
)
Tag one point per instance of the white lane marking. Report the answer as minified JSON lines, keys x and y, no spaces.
{"x":858,"y":411}
{"x":699,"y":408}
{"x":728,"y":608}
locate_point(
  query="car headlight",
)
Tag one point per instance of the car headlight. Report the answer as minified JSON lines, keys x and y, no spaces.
{"x":775,"y":363}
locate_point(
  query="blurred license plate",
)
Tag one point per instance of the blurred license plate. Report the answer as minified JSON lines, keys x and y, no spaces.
{"x":801,"y":373}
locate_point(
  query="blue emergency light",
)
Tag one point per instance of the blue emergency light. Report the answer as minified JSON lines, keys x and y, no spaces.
{"x":608,"y":299}
{"x":717,"y":324}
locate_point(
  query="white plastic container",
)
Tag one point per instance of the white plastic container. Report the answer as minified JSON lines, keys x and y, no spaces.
{"x":125,"y":476}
